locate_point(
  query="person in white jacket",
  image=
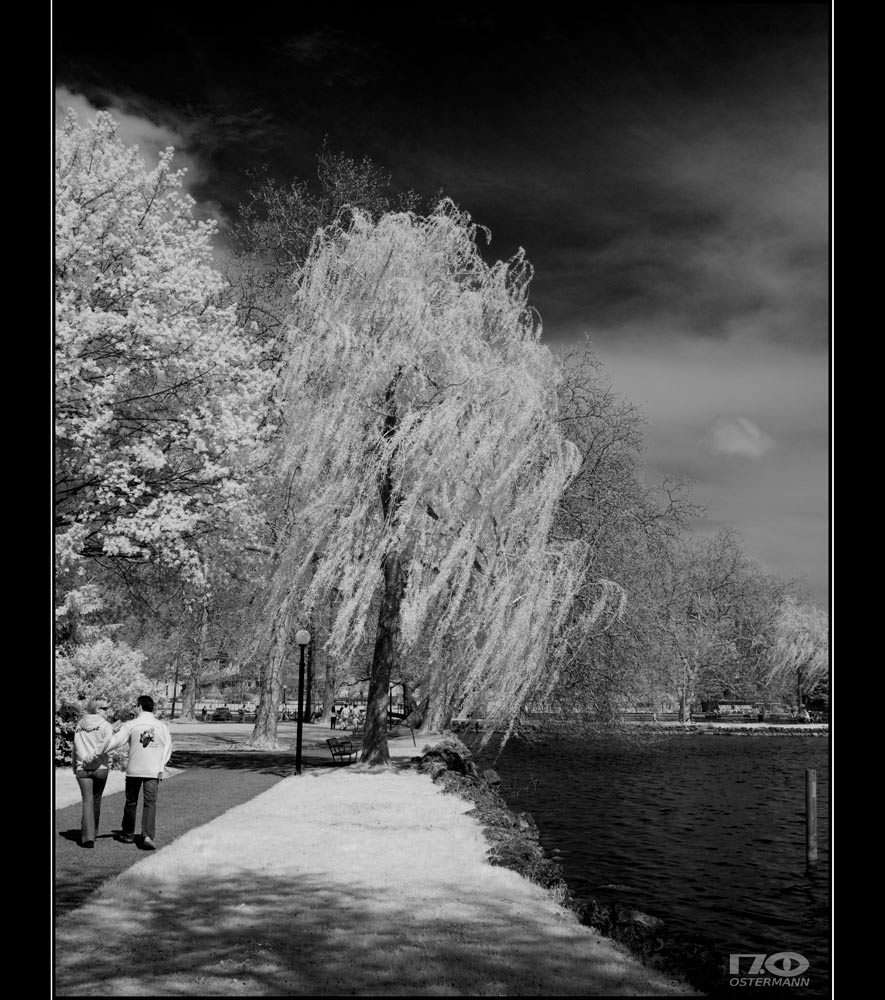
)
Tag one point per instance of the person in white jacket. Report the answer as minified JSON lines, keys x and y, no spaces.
{"x":91,"y":768}
{"x":150,"y":747}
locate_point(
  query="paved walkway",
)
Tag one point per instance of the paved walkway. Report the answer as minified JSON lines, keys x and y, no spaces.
{"x":204,"y":785}
{"x":190,"y":799}
{"x":341,"y":882}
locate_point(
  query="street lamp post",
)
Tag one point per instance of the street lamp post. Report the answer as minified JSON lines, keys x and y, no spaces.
{"x":302,"y":637}
{"x":174,"y":689}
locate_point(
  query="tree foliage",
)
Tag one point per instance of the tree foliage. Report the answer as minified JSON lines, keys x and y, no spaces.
{"x":626,"y":527}
{"x":104,"y":668}
{"x":424,"y":459}
{"x":800,"y":652}
{"x":358,"y":430}
{"x":159,"y":391}
{"x":276,"y":227}
{"x":91,"y":661}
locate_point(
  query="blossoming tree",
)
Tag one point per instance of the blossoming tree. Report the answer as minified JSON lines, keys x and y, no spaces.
{"x":423,"y":462}
{"x":159,"y":392}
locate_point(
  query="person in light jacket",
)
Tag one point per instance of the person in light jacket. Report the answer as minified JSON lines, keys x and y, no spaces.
{"x":91,"y":768}
{"x":150,"y":747}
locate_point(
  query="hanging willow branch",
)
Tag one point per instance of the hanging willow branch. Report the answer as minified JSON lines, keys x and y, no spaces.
{"x":421,"y":410}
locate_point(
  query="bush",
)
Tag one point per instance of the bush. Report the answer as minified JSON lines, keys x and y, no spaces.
{"x":104,"y":668}
{"x":65,"y":724}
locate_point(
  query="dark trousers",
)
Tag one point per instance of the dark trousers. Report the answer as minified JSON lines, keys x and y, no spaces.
{"x":149,"y":812}
{"x":91,"y":787}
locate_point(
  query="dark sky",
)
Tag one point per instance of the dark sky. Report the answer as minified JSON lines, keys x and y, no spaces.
{"x":665,"y":167}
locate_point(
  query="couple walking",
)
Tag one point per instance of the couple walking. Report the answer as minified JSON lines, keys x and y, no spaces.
{"x":150,"y":746}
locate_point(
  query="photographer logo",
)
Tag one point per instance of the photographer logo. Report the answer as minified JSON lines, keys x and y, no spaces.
{"x":784,"y":968}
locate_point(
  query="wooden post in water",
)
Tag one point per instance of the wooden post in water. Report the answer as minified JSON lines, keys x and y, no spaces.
{"x":811,"y":816}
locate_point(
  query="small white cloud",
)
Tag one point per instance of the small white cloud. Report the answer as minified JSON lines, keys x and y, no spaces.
{"x":738,"y":436}
{"x":137,"y":130}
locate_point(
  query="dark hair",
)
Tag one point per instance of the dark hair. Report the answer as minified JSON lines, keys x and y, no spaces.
{"x":146,"y":702}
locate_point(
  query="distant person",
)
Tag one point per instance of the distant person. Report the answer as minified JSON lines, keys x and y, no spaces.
{"x":242,"y":714}
{"x":804,"y":715}
{"x":150,"y":747}
{"x":203,"y":714}
{"x":333,"y":717}
{"x":91,"y":768}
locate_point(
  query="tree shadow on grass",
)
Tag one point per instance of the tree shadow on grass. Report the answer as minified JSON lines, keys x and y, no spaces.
{"x":274,"y":762}
{"x":278,"y":762}
{"x":251,"y":934}
{"x":193,"y":797}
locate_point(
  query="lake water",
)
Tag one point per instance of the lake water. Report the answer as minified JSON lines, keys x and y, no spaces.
{"x":705,"y":832}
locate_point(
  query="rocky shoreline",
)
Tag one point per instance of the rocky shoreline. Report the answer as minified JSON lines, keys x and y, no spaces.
{"x":515,"y":843}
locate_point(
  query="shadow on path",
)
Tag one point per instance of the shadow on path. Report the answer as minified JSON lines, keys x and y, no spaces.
{"x":260,"y":935}
{"x":273,"y":762}
{"x":209,"y":784}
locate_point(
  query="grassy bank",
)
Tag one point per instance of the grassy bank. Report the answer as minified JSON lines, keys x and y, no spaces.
{"x":515,"y":844}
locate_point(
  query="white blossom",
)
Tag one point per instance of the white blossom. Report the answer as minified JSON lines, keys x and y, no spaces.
{"x":159,"y":394}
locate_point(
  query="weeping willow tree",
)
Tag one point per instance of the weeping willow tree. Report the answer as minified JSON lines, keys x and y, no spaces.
{"x":800,"y":648}
{"x":423,"y":462}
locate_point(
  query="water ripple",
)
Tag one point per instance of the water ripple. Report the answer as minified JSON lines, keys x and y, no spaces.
{"x":708,"y":834}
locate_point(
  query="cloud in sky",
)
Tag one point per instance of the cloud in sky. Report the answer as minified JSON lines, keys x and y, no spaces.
{"x":706,"y":228}
{"x":706,"y":220}
{"x":700,"y":211}
{"x":738,"y":436}
{"x":152,"y":137}
{"x":749,"y":431}
{"x":133,"y":129}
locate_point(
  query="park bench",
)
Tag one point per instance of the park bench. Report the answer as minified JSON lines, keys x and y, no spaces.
{"x":464,"y":723}
{"x":342,"y":751}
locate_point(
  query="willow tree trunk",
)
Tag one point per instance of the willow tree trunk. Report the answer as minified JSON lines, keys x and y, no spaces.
{"x":387,"y":634}
{"x":264,"y":735}
{"x":375,"y":749}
